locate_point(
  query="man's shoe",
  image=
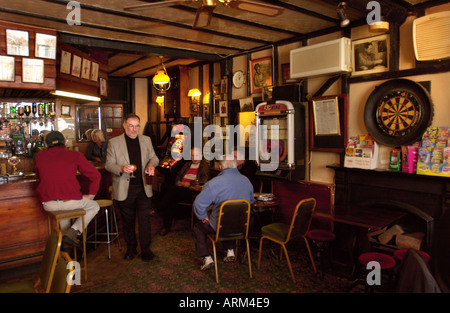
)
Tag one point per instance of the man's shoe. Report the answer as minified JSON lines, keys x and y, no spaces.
{"x":208,"y":262}
{"x":147,"y":256}
{"x":230,"y":256}
{"x":163,"y":231}
{"x":130,"y":254}
{"x":70,"y":237}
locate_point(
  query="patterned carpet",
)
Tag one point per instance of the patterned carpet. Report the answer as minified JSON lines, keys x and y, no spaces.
{"x":177,"y":270}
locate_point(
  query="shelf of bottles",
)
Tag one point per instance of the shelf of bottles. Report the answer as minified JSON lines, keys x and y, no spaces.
{"x":22,"y":125}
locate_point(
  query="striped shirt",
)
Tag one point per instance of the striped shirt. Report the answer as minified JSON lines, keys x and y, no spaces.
{"x":191,"y":173}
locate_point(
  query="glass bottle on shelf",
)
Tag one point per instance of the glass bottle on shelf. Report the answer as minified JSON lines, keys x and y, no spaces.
{"x":20,"y":111}
{"x":52,"y":109}
{"x":41,"y":109}
{"x":47,"y":109}
{"x":27,"y":110}
{"x":12,"y":113}
{"x":34,"y":109}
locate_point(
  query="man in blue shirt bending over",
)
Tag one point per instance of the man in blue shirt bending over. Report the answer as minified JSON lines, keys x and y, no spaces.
{"x":228,"y":185}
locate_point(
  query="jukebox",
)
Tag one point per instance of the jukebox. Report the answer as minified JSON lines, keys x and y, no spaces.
{"x":280,"y":139}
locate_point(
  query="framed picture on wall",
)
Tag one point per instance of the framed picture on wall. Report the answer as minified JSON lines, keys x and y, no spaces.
{"x":370,"y":55}
{"x":285,"y":72}
{"x":223,"y":107}
{"x":85,"y":69}
{"x":17,"y":42}
{"x":260,"y":74}
{"x":76,"y":66}
{"x":45,"y":46}
{"x":66,"y":58}
{"x":32,"y":70}
{"x":94,"y":71}
{"x":7,"y":68}
{"x":246,"y":104}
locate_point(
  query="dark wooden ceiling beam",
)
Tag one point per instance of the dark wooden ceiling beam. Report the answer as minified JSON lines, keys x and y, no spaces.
{"x":115,"y":45}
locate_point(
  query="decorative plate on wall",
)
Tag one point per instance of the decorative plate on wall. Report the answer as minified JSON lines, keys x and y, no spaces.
{"x":398,"y":112}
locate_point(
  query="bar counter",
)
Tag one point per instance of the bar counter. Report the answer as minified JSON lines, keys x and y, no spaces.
{"x":23,"y":223}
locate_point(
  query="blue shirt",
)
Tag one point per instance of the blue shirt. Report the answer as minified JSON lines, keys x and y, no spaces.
{"x":228,"y":185}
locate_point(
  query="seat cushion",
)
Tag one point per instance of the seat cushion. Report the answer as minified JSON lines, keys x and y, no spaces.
{"x":385,"y":261}
{"x":400,"y":254}
{"x":18,"y":287}
{"x":277,"y":231}
{"x":103,"y":203}
{"x":321,"y":235}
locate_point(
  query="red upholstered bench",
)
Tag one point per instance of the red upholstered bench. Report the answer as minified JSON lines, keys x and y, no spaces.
{"x":400,"y":254}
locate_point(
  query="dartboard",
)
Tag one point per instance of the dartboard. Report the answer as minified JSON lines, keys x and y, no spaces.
{"x":398,"y":112}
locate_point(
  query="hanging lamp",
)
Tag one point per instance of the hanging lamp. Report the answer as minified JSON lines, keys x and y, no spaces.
{"x":161,"y":81}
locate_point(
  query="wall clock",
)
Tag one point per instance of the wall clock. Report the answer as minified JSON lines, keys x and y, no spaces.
{"x":398,"y":112}
{"x":238,"y":79}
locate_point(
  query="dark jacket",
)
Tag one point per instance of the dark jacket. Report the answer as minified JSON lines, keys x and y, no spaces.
{"x":202,"y":174}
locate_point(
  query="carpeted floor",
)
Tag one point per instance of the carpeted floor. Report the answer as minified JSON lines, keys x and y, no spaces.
{"x":176,"y":269}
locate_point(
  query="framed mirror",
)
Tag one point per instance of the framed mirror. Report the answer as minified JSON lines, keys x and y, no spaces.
{"x":87,"y":118}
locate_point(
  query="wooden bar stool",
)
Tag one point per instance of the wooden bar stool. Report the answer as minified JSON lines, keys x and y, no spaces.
{"x":105,"y":204}
{"x":57,"y":216}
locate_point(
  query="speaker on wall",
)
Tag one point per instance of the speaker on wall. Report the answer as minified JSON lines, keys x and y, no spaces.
{"x":286,"y":92}
{"x":431,"y":36}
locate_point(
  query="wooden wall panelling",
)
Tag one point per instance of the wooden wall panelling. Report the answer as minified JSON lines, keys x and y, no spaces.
{"x":49,"y":64}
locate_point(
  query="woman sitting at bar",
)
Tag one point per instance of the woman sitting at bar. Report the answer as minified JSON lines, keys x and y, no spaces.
{"x":97,"y":148}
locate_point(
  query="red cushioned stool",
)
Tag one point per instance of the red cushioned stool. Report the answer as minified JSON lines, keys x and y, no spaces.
{"x":387,"y":263}
{"x":322,"y":239}
{"x":400,"y":254}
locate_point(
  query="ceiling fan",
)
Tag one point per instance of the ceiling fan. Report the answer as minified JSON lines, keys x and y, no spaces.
{"x":204,"y":12}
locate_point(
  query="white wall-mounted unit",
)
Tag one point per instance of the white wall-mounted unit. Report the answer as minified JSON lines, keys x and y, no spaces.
{"x":329,"y":57}
{"x":431,"y":36}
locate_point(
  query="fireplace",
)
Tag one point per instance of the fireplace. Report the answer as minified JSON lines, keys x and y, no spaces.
{"x":425,"y":198}
{"x":414,"y":229}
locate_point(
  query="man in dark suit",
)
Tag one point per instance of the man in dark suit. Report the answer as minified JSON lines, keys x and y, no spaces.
{"x":130,"y":190}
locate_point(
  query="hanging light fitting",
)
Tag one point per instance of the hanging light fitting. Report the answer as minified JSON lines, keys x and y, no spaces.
{"x":161,"y":81}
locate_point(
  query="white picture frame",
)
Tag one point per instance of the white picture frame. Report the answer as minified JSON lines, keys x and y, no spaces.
{"x":17,"y":42}
{"x":32,"y":70}
{"x":45,"y":46}
{"x":7,"y":68}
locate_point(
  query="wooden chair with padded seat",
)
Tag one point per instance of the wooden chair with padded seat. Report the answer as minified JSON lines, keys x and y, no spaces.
{"x":282,"y":233}
{"x":233,"y":223}
{"x":63,"y":276}
{"x":46,"y":270}
{"x":57,"y":216}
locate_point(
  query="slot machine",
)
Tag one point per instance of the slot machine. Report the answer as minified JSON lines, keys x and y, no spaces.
{"x":280,"y":125}
{"x":171,"y":161}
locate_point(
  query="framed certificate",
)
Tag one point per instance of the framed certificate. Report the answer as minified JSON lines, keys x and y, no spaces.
{"x":45,"y":46}
{"x":17,"y":42}
{"x":7,"y":68}
{"x":328,"y":123}
{"x":32,"y":70}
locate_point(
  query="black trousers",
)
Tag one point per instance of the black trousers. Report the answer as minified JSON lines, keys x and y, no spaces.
{"x":201,"y":230}
{"x":136,"y":204}
{"x":168,"y":205}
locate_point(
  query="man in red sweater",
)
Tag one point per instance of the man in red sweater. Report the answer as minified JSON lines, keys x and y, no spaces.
{"x":59,"y":188}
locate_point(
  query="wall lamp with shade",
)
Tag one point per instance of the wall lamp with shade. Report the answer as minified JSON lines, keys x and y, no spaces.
{"x":160,"y":100}
{"x":194,"y":94}
{"x":161,"y":81}
{"x":340,"y":10}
